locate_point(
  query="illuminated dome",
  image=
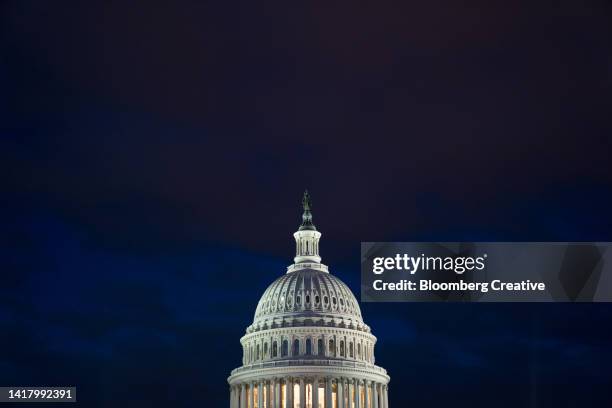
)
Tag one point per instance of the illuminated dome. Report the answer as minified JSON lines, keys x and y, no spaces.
{"x":308,"y":346}
{"x":308,"y":297}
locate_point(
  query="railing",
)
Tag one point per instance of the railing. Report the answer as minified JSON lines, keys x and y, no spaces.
{"x":324,"y":363}
{"x":307,"y":265}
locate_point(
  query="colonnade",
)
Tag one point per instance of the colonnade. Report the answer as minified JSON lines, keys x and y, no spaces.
{"x":309,"y":392}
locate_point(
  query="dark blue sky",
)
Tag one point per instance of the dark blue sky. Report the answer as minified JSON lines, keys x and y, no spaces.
{"x":153,"y":157}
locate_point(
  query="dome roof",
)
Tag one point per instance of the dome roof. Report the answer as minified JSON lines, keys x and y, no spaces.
{"x":307,"y":297}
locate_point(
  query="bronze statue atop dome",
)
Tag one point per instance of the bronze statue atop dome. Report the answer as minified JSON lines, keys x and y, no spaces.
{"x":307,"y":215}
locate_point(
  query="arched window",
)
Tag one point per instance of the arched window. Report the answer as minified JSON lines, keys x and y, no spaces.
{"x":257,"y":353}
{"x":265,"y":352}
{"x":285,"y":350}
{"x":342,"y":348}
{"x":320,"y":347}
{"x":359,"y":351}
{"x":332,"y":349}
{"x":296,"y":347}
{"x":274,"y":349}
{"x":308,"y":346}
{"x":351,"y":354}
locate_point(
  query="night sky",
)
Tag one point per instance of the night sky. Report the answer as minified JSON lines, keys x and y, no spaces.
{"x":153,"y":157}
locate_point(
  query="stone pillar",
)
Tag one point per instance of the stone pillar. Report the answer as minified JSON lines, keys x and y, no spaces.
{"x":386,"y":396}
{"x":340,"y":394}
{"x":243,"y":396}
{"x":302,"y":393}
{"x":277,"y":393}
{"x":347,"y":390}
{"x":260,"y":394}
{"x":351,"y":394}
{"x":251,"y":395}
{"x":315,"y":392}
{"x":324,"y":338}
{"x":336,"y":346}
{"x":289,"y":393}
{"x":375,"y":395}
{"x":328,"y":392}
{"x":366,"y":393}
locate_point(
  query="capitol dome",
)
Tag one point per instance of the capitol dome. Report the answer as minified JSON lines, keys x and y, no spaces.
{"x":308,"y":346}
{"x":310,"y":297}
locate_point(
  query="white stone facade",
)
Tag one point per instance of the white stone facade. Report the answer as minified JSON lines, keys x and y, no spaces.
{"x":308,"y":346}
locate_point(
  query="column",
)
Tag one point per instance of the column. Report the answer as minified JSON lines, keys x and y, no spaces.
{"x":277,"y":393}
{"x":340,"y":394}
{"x":366,"y":393}
{"x":375,"y":395}
{"x":315,"y":392}
{"x":269,"y":386}
{"x":351,"y":390}
{"x":386,"y":396}
{"x":243,"y":396}
{"x":302,"y":393}
{"x":252,"y":395}
{"x":324,"y":338}
{"x":336,"y":346}
{"x":357,"y":393}
{"x":260,"y":394}
{"x":345,"y":387}
{"x":289,"y":393}
{"x":328,"y":392}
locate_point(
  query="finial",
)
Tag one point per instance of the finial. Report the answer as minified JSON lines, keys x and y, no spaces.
{"x":307,"y":216}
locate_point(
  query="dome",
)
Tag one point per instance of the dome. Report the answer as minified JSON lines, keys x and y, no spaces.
{"x":308,"y":346}
{"x":308,"y":297}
